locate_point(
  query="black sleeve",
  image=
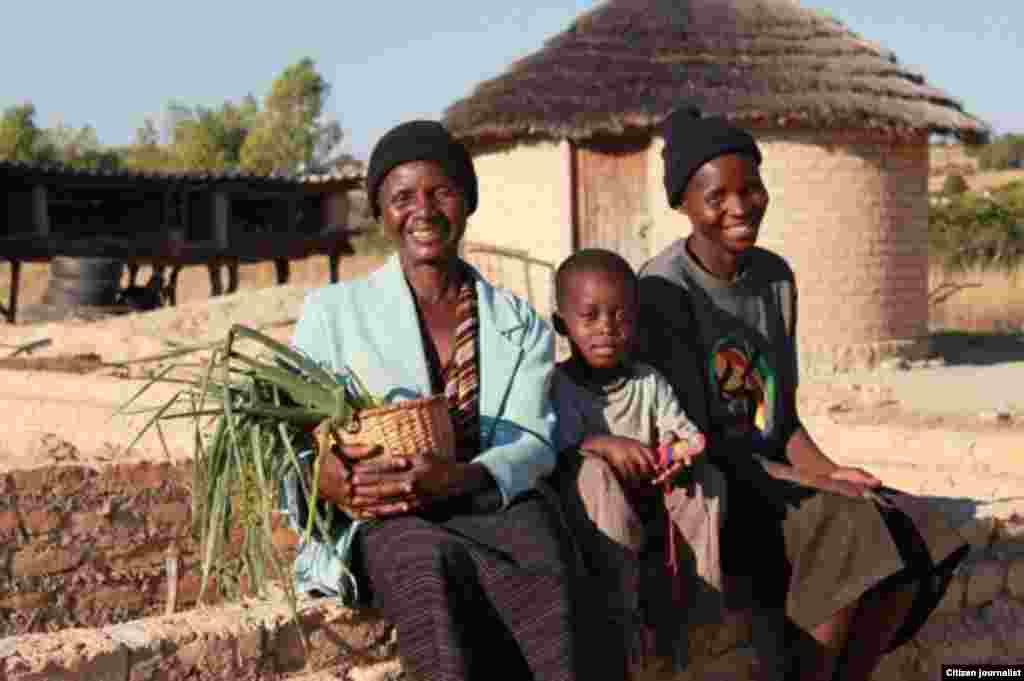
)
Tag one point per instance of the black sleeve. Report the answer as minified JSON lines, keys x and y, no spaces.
{"x":669,"y":340}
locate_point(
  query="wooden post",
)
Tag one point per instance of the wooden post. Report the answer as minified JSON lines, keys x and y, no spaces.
{"x":172,"y":286}
{"x":232,"y":275}
{"x":40,"y":210}
{"x":222,"y":219}
{"x":291,"y":214}
{"x":283,"y":270}
{"x":10,"y":312}
{"x":213,"y":268}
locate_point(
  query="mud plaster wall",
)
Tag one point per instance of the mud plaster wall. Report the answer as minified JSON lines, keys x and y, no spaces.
{"x":88,"y":545}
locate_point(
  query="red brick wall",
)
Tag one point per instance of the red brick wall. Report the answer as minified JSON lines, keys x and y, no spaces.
{"x":850,"y":213}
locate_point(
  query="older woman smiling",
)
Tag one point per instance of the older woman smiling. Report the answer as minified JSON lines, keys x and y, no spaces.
{"x":465,"y":556}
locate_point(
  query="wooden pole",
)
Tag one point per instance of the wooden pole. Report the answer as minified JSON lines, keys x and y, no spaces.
{"x":10,"y":312}
{"x":40,"y":210}
{"x":222,"y":220}
{"x":283,"y":270}
{"x":221,"y":223}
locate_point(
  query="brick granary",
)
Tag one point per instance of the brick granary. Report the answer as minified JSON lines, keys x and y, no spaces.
{"x":566,"y":148}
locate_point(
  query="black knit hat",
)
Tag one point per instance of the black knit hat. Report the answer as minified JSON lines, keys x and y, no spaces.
{"x":421,"y":141}
{"x":691,"y":141}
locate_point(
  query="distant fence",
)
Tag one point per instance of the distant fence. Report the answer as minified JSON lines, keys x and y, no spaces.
{"x":530,"y":278}
{"x":516,"y":270}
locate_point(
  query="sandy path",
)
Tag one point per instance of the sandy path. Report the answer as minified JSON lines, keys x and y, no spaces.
{"x":968,"y":389}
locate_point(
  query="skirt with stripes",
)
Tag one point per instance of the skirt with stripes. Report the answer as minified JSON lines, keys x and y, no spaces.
{"x":475,"y":594}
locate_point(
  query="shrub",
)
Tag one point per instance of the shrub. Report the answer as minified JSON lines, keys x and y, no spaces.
{"x":970,"y":230}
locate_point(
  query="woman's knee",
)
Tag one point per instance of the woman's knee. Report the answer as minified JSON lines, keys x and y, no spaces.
{"x":409,"y":544}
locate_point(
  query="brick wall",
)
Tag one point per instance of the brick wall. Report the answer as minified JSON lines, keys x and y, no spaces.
{"x":849,"y":211}
{"x":88,"y":545}
{"x":980,"y":621}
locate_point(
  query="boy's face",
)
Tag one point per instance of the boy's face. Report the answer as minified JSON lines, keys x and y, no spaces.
{"x":599,"y":316}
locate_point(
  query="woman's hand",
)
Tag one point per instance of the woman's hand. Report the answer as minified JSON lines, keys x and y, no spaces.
{"x":632,"y":462}
{"x":849,"y":482}
{"x":857,"y":476}
{"x":382,"y":488}
{"x":339,"y":467}
{"x":859,"y":479}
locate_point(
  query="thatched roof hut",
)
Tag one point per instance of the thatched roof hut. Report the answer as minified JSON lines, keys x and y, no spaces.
{"x":568,"y":155}
{"x":623,"y":66}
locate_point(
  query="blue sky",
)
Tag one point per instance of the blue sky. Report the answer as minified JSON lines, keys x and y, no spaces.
{"x":109,"y":63}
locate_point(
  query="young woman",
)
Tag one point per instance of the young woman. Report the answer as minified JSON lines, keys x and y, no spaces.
{"x":854,"y":567}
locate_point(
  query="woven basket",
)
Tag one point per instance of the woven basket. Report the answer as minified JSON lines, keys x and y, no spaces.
{"x":404,"y":429}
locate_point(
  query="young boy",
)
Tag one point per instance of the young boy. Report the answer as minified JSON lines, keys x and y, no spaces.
{"x":633,"y":456}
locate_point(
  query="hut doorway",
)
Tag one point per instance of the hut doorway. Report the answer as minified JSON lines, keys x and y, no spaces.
{"x":611,"y":191}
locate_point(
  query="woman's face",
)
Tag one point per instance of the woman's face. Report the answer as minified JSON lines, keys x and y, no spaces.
{"x":726,"y":201}
{"x":423,"y":210}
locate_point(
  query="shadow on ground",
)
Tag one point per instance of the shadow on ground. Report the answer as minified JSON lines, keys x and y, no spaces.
{"x":962,"y":510}
{"x":959,"y":348}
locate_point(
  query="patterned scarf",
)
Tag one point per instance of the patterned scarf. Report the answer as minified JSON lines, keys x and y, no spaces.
{"x":461,"y":377}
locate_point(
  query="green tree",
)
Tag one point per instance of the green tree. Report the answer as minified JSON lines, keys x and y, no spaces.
{"x":979,"y":231}
{"x":20,"y":138}
{"x":291,"y":133}
{"x":197,"y":142}
{"x":146,"y":154}
{"x":78,"y":148}
{"x":237,"y":120}
{"x":209,"y":139}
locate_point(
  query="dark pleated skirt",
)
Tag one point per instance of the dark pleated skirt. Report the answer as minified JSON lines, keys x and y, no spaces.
{"x":813,"y":553}
{"x":474,"y":594}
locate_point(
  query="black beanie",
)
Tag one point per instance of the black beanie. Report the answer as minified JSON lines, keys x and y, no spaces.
{"x":421,"y":141}
{"x":692,"y":141}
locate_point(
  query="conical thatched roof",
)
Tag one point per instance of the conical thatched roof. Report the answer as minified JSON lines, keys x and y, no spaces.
{"x":765,"y":63}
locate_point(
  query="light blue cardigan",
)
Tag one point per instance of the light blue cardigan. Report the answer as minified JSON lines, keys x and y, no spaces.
{"x":371,"y":326}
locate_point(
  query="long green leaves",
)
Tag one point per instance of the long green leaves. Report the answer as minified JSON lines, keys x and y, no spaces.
{"x":250,"y":410}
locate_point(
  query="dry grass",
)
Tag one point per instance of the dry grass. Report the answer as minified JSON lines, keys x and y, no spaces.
{"x":980,"y":181}
{"x":991,"y":301}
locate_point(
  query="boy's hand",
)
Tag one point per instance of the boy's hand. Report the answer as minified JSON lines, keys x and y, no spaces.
{"x":680,"y":455}
{"x":630,"y":459}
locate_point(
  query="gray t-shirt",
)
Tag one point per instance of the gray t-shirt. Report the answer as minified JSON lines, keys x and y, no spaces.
{"x":728,"y":348}
{"x":642,"y":406}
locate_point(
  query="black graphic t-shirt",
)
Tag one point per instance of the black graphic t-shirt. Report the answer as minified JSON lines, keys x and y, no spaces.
{"x":735,"y":339}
